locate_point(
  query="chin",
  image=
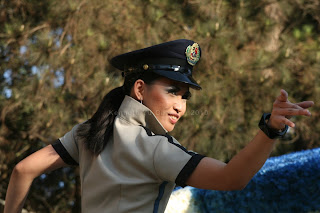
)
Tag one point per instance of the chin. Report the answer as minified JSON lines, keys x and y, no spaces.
{"x":169,"y":129}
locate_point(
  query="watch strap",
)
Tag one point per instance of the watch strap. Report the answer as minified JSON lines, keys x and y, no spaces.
{"x":271,"y":133}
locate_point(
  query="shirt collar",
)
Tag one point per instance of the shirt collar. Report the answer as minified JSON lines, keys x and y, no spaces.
{"x":138,"y":114}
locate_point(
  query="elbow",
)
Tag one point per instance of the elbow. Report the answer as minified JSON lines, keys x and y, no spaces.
{"x":19,"y":169}
{"x":227,"y":186}
{"x":240,"y":187}
{"x":236,"y":185}
{"x":234,"y":188}
{"x":22,"y":171}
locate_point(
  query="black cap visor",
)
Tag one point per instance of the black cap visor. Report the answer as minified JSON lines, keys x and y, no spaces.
{"x":178,"y":76}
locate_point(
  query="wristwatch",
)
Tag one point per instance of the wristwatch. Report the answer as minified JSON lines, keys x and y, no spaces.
{"x":271,"y":133}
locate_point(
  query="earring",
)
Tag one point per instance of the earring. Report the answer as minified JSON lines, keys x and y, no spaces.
{"x":141,"y":101}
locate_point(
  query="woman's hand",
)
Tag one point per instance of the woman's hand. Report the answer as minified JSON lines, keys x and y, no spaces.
{"x":216,"y":175}
{"x":283,"y":110}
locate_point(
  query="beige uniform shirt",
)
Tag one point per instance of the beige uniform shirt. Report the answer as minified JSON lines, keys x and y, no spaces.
{"x":137,"y":170}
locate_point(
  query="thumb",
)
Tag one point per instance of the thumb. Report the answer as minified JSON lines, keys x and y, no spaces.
{"x":283,"y":97}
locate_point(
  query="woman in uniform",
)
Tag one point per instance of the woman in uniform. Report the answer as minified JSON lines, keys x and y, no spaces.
{"x":128,"y":161}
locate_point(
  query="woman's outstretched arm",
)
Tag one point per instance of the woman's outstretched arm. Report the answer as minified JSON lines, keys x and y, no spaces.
{"x":216,"y":175}
{"x":42,"y":161}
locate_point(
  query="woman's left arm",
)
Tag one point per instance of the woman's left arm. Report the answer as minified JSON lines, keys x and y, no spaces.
{"x":213,"y":174}
{"x":42,"y":161}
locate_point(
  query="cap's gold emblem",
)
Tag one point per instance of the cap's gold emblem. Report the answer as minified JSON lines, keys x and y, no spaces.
{"x":145,"y":67}
{"x":193,"y":54}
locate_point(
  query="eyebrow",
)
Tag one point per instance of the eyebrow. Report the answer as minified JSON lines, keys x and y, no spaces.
{"x":186,"y":95}
{"x":177,"y":88}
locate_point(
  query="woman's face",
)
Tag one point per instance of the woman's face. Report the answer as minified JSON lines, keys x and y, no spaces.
{"x":167,"y":100}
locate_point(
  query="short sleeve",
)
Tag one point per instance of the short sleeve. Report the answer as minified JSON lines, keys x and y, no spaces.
{"x":67,"y":147}
{"x":173,"y":162}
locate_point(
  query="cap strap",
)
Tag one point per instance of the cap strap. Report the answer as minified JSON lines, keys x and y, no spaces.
{"x":165,"y":67}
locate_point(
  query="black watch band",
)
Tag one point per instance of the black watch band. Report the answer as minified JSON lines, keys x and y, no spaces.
{"x":271,"y":133}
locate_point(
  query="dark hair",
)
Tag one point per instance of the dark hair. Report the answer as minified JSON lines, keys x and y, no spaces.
{"x":96,"y":131}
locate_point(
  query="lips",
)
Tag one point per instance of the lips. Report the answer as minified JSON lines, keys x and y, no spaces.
{"x":173,"y":118}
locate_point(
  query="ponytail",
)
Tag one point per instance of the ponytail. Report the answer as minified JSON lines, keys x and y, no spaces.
{"x":95,"y":132}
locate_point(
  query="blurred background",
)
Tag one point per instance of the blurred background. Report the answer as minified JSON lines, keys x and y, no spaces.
{"x":54,"y":65}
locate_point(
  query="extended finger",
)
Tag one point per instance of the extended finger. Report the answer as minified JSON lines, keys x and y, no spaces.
{"x":283,"y":97}
{"x":279,"y":104}
{"x":288,"y":122}
{"x":291,"y":112}
{"x":305,"y":104}
{"x":281,"y":122}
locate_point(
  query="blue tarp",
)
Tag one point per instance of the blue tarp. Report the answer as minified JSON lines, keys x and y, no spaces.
{"x":287,"y":183}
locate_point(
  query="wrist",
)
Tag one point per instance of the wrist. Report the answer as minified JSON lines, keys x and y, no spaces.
{"x":266,"y":127}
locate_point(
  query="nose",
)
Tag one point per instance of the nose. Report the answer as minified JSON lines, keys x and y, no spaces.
{"x":178,"y":106}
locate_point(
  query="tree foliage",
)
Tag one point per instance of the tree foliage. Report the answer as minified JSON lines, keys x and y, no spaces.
{"x":54,"y":72}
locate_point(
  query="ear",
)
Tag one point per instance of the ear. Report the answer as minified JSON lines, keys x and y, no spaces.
{"x":138,"y":90}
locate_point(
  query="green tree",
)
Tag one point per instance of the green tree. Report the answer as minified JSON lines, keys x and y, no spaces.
{"x":54,"y":72}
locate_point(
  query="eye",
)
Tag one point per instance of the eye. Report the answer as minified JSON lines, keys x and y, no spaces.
{"x":187,"y":95}
{"x":173,"y":91}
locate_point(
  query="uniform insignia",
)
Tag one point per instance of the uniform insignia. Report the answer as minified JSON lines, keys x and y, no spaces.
{"x":193,"y":54}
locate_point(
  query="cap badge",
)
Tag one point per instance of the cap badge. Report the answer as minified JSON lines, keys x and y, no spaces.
{"x":193,"y":54}
{"x":145,"y":67}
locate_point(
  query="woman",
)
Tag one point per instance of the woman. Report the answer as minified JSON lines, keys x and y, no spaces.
{"x":127,"y":160}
